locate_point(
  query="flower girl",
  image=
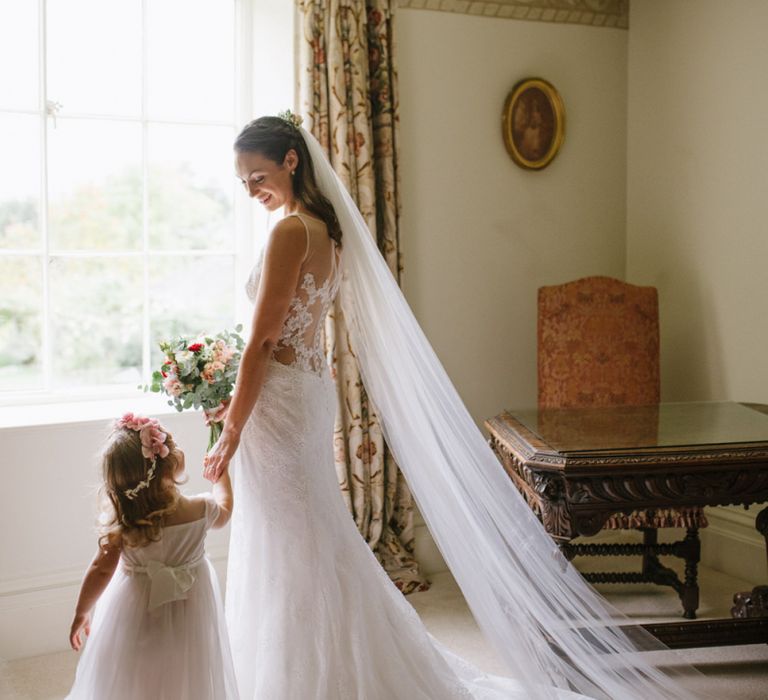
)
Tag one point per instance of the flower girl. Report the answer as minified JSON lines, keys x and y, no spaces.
{"x":158,"y":628}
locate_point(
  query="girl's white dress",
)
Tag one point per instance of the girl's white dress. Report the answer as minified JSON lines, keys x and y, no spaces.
{"x":158,"y":630}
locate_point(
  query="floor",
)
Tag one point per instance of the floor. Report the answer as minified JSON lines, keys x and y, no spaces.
{"x":732,"y":673}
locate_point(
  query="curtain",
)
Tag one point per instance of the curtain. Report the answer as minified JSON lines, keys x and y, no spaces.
{"x":348,"y":95}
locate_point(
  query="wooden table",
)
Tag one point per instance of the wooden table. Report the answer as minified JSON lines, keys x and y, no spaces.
{"x":577,"y":467}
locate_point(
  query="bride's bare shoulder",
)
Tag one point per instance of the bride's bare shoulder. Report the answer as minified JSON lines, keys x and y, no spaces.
{"x":287,"y":240}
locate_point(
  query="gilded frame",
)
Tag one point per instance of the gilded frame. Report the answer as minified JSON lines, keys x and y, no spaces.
{"x":533,"y":123}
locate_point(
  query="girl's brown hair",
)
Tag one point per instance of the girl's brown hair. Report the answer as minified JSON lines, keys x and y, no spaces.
{"x":138,"y":521}
{"x":273,"y":137}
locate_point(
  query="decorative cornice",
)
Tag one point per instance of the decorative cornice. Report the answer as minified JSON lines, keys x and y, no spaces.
{"x":595,"y":13}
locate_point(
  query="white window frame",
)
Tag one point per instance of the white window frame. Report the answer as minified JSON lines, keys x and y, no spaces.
{"x":250,"y":224}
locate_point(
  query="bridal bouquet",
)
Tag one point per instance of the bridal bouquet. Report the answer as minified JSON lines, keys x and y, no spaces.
{"x":200,"y":373}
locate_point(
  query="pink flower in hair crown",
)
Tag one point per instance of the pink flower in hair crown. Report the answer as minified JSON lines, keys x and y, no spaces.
{"x":151,"y":434}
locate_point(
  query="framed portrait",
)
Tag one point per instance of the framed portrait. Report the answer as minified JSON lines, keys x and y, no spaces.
{"x":533,"y":123}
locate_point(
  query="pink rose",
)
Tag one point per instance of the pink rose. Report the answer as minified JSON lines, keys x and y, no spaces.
{"x":173,"y":386}
{"x":207,"y":373}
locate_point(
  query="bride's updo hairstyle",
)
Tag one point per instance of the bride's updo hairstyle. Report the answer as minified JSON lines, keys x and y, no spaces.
{"x":135,"y":518}
{"x":273,"y":137}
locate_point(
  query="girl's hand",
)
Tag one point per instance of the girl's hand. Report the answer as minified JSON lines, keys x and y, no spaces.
{"x":82,"y":622}
{"x":217,"y":460}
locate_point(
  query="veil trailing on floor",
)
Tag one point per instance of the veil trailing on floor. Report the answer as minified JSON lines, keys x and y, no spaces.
{"x":549,"y":625}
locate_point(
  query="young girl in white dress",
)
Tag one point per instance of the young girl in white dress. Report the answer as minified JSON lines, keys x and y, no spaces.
{"x":157,"y":630}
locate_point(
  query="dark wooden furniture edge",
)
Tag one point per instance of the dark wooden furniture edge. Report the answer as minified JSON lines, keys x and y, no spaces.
{"x":571,"y":496}
{"x":710,"y":633}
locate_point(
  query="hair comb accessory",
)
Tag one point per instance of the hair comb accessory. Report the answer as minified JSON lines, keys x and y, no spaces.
{"x":293,"y":119}
{"x":152,"y":437}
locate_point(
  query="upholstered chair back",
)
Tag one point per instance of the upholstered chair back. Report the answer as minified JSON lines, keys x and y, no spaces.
{"x":598,"y":344}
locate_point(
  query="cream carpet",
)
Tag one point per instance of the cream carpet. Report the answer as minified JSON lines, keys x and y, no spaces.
{"x":731,"y":673}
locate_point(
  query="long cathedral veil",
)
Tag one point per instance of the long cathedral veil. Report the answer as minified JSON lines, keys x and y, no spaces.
{"x":549,"y":625}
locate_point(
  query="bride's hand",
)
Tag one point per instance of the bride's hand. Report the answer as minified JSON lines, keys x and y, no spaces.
{"x":217,"y":460}
{"x":218,"y":414}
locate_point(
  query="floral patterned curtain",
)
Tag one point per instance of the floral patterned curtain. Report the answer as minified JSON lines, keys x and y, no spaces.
{"x":348,"y":89}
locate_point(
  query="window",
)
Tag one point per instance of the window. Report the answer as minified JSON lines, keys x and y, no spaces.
{"x":121,"y":222}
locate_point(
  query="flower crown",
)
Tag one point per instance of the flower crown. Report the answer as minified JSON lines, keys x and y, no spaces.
{"x":152,"y":437}
{"x":293,"y":119}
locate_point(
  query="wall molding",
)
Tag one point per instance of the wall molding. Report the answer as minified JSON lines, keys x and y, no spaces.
{"x":613,"y":14}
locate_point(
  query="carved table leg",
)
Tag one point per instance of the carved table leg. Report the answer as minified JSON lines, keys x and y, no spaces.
{"x":565,"y":549}
{"x":754,"y":603}
{"x":690,"y":591}
{"x":761,"y":525}
{"x":650,"y":558}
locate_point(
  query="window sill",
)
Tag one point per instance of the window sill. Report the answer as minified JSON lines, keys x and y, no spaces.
{"x":83,"y":411}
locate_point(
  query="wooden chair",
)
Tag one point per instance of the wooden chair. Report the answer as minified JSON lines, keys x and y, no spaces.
{"x":598,"y":345}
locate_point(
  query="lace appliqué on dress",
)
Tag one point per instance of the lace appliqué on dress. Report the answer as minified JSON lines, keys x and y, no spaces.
{"x":309,"y":306}
{"x":299,"y":320}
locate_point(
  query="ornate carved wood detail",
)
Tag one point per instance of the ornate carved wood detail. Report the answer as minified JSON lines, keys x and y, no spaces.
{"x":710,"y":633}
{"x":674,"y":489}
{"x":761,"y":523}
{"x":586,"y":488}
{"x":670,"y":457}
{"x":524,"y":444}
{"x":543,"y":491}
{"x":535,"y":452}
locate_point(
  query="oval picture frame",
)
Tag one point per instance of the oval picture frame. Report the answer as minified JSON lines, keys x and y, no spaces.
{"x":533,"y":123}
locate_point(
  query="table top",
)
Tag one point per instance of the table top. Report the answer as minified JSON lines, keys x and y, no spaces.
{"x":664,"y":425}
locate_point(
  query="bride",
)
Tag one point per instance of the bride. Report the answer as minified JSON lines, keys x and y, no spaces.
{"x":311,"y":614}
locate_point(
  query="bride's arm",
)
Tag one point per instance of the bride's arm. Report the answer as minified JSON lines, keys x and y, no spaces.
{"x":285,"y":252}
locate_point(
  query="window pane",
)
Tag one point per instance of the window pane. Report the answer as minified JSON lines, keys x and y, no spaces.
{"x":191,"y":187}
{"x":96,"y":312}
{"x":95,"y":190}
{"x":94,"y":56}
{"x":189,"y":294}
{"x":19,"y":50}
{"x":191,"y":68}
{"x":19,"y":181}
{"x":21,"y":304}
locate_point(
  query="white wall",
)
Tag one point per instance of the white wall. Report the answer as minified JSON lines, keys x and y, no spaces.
{"x":697,"y":212}
{"x":48,"y":522}
{"x":479,"y":234}
{"x":697,"y":219}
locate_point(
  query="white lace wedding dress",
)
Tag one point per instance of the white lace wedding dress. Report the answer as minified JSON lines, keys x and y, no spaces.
{"x":311,"y":613}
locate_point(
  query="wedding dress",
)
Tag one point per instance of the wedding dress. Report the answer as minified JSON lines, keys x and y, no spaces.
{"x":311,"y":614}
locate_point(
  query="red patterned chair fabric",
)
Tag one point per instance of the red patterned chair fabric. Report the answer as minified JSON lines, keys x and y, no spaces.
{"x":598,"y":345}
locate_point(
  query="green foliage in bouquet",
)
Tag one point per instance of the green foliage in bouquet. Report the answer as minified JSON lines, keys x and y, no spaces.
{"x":200,"y":373}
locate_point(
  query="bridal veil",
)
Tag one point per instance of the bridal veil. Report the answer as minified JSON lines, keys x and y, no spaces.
{"x":549,"y":625}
